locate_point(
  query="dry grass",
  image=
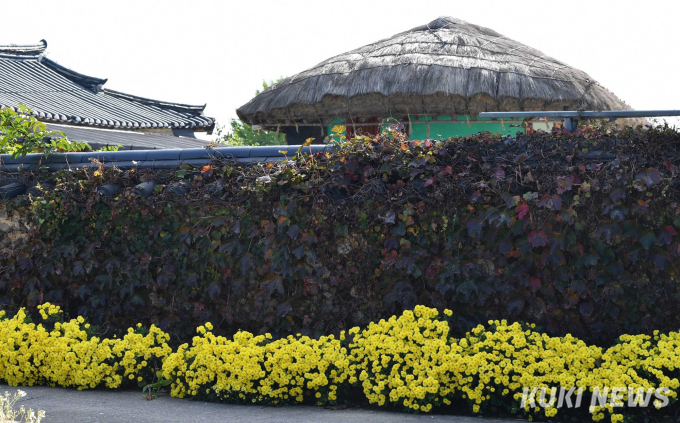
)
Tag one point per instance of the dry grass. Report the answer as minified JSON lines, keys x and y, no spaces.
{"x":447,"y":67}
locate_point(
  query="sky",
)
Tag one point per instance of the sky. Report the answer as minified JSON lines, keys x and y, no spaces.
{"x":219,"y":52}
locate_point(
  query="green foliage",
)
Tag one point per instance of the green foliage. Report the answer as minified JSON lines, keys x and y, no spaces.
{"x":576,"y":232}
{"x":241,"y":133}
{"x":21,"y":134}
{"x":110,"y":148}
{"x":267,"y":84}
{"x":152,"y":389}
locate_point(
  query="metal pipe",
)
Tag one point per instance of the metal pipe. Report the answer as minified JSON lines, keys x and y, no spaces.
{"x":583,"y":114}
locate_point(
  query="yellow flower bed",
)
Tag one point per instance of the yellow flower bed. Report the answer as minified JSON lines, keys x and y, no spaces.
{"x":409,"y":361}
{"x":68,"y":355}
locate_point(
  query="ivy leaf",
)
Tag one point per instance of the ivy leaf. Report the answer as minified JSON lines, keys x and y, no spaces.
{"x":515,"y":306}
{"x":641,"y":207}
{"x":246,"y":263}
{"x":648,"y":238}
{"x":591,"y":259}
{"x":530,"y":196}
{"x":534,"y":284}
{"x":445,"y":171}
{"x":564,"y":183}
{"x":474,"y":226}
{"x":267,"y":226}
{"x":568,"y":215}
{"x":617,"y":193}
{"x":666,"y":235}
{"x":610,"y":232}
{"x":586,"y":308}
{"x":78,"y":268}
{"x":499,"y":173}
{"x":552,"y":203}
{"x":299,"y":251}
{"x":283,"y":309}
{"x":538,"y":239}
{"x":504,"y":246}
{"x":649,"y":176}
{"x":214,"y":289}
{"x":293,"y":231}
{"x":661,"y":260}
{"x":612,"y":310}
{"x":510,"y":201}
{"x":192,"y":279}
{"x":633,"y":255}
{"x":619,"y":212}
{"x":522,"y":210}
{"x":579,"y":286}
{"x":389,"y":217}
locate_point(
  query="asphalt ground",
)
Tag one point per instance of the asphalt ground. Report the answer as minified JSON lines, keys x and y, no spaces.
{"x":64,"y":405}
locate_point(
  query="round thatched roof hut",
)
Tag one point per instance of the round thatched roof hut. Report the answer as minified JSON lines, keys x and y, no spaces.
{"x":447,"y":67}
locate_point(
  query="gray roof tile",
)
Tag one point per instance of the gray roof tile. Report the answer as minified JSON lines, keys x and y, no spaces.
{"x":130,"y":140}
{"x":62,"y":95}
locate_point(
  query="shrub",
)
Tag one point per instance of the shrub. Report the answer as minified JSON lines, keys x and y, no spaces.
{"x":254,"y":368}
{"x":69,"y":354}
{"x":575,"y":232}
{"x":410,"y":362}
{"x":21,"y":133}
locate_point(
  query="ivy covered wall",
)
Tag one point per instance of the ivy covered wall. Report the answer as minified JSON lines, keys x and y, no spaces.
{"x":576,"y":232}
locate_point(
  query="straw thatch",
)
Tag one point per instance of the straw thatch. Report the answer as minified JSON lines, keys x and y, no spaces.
{"x":447,"y":67}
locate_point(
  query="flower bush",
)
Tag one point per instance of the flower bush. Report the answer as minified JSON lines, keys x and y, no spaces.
{"x":68,"y":354}
{"x":410,"y":362}
{"x":256,"y":368}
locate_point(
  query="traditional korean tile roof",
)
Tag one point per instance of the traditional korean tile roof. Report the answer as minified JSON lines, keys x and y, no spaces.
{"x":129,"y":140}
{"x":60,"y":95}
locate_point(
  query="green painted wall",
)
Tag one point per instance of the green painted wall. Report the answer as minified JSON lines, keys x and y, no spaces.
{"x":448,"y":130}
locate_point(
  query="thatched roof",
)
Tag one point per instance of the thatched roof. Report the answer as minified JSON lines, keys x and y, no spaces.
{"x":447,"y":67}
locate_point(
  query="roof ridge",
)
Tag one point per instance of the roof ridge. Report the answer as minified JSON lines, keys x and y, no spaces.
{"x":153,"y":102}
{"x":88,"y":81}
{"x":24,"y":49}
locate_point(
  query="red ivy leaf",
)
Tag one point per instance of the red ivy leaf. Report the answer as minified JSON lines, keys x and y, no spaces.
{"x":522,"y":210}
{"x":534,"y":284}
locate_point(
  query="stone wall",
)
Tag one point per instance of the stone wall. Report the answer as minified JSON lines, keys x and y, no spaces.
{"x":14,"y":229}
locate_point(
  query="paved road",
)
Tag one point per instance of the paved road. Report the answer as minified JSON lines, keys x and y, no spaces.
{"x":98,"y":406}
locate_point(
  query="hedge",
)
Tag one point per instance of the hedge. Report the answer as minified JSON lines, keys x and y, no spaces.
{"x":409,"y":362}
{"x":575,"y":232}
